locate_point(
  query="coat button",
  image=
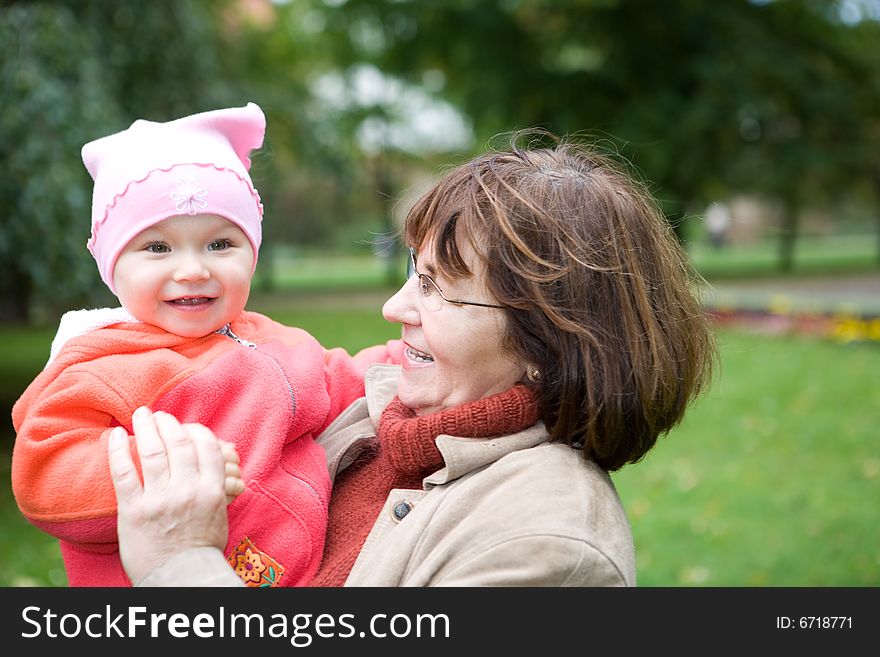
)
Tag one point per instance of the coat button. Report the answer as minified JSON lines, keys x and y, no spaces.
{"x":400,"y":510}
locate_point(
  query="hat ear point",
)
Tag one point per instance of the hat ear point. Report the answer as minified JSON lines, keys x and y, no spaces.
{"x":91,"y":157}
{"x":249,"y":132}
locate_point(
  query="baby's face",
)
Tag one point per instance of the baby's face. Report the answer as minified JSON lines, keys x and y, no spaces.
{"x":189,"y":275}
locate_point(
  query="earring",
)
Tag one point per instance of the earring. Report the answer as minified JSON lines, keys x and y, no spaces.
{"x":533,"y":374}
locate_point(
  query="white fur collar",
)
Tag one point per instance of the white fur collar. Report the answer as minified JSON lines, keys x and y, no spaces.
{"x":78,"y":322}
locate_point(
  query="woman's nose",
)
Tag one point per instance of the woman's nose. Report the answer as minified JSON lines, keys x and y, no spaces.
{"x":402,"y":308}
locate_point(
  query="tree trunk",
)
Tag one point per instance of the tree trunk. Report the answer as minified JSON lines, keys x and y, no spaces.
{"x":789,"y":232}
{"x":676,"y":221}
{"x":877,"y":219}
{"x":15,"y":291}
{"x":877,"y":213}
{"x":267,"y":267}
{"x":388,"y":250}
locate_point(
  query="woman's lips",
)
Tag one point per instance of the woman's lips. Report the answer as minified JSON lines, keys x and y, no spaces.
{"x":417,"y":357}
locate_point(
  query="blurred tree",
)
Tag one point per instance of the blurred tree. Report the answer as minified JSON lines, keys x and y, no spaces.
{"x":305,"y":170}
{"x":160,"y":59}
{"x":340,"y":126}
{"x":72,"y":71}
{"x":808,"y":112}
{"x":53,"y":98}
{"x":752,"y":95}
{"x":863,"y":45}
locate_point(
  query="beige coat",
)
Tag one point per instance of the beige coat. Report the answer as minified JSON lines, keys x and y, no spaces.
{"x":511,"y":511}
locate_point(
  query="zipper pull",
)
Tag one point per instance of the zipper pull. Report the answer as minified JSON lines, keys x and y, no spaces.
{"x":229,"y":334}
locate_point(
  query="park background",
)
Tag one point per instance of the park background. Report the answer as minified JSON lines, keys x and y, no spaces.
{"x":765,"y":111}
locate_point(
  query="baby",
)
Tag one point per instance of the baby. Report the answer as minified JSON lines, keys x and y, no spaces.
{"x":176,"y":230}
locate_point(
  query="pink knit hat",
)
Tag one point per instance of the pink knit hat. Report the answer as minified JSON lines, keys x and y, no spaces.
{"x":152,"y":171}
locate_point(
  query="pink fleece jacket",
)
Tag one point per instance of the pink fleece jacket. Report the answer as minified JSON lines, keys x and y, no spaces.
{"x":270,"y":400}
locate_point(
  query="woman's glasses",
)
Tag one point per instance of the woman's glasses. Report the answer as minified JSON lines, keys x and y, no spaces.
{"x":430,"y":294}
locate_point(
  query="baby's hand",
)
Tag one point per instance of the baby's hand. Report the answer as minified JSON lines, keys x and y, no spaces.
{"x":234,"y":485}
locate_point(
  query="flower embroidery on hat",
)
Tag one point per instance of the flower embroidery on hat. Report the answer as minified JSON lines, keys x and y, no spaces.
{"x":189,"y":196}
{"x":255,"y":568}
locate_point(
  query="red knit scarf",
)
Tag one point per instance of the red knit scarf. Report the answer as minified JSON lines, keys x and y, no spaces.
{"x":404,"y":453}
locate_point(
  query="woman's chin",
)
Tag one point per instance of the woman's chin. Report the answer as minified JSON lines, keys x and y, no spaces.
{"x":415,"y":401}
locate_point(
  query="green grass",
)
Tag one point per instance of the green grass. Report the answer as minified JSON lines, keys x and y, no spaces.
{"x":352,"y":320}
{"x":24,"y":352}
{"x":308,"y":272}
{"x":303,"y":271}
{"x":772,"y":480}
{"x":298,"y":270}
{"x":773,"y":477}
{"x":812,"y":256}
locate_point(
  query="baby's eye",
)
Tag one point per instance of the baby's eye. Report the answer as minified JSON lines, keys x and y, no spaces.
{"x":219,"y":245}
{"x":157,"y":247}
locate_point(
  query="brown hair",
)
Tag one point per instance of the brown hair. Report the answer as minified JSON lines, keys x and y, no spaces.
{"x":597,"y":291}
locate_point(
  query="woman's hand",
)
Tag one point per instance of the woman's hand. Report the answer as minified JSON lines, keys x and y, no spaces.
{"x":188,"y":478}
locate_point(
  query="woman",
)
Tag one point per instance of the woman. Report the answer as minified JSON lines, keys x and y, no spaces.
{"x":551,"y":335}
